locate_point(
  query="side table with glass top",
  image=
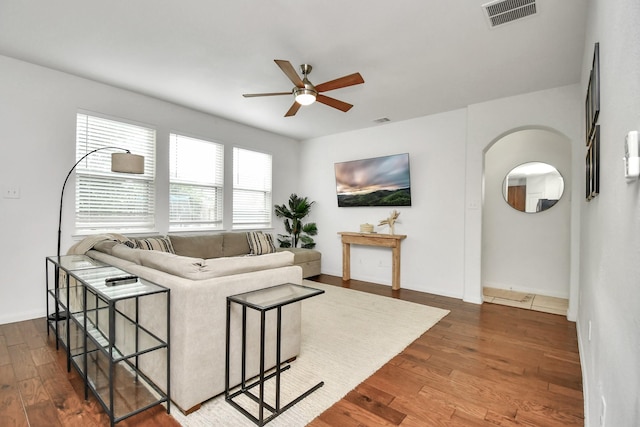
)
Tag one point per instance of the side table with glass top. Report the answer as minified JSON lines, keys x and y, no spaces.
{"x":264,"y":300}
{"x":109,"y":338}
{"x":64,"y":299}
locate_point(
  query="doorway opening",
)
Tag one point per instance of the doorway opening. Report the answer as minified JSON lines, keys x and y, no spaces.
{"x":526,"y":252}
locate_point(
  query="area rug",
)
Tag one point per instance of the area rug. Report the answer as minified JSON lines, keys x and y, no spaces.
{"x":347,"y":335}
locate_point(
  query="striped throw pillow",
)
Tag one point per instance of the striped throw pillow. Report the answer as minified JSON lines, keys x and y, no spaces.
{"x":162,"y":244}
{"x":260,"y":243}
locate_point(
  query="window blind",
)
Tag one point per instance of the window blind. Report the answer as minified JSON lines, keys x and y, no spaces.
{"x":251,"y":189}
{"x":107,"y":200}
{"x":196,"y":183}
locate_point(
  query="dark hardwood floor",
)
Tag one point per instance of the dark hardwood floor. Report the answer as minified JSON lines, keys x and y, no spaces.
{"x":481,"y":365}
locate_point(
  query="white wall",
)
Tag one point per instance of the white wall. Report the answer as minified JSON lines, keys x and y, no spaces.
{"x":558,"y":110}
{"x":37,"y":136}
{"x":432,"y":254}
{"x":527,"y":252}
{"x":443,"y":250}
{"x":610,"y":250}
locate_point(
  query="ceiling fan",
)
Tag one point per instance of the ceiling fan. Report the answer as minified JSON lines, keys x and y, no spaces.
{"x":305,"y":93}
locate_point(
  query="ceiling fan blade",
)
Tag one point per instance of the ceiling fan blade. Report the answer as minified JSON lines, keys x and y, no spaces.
{"x":332,"y":102}
{"x":253,"y":95}
{"x":293,"y":110}
{"x":350,"y":80}
{"x":288,"y":69}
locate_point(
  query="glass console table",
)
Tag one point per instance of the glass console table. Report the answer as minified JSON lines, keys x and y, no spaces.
{"x":102,"y":331}
{"x":264,"y":300}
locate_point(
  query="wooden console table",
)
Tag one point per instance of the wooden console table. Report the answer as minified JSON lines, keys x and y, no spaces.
{"x":372,"y":239}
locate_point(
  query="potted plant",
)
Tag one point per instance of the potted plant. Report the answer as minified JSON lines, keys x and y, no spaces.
{"x":298,"y":209}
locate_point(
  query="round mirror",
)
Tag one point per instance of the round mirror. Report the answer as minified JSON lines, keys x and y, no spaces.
{"x":533,"y":187}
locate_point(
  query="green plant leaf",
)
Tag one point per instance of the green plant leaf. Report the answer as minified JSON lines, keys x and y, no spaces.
{"x":298,"y":208}
{"x":310,"y":228}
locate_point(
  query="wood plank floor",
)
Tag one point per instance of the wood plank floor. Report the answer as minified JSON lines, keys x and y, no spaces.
{"x":37,"y":391}
{"x":481,"y":365}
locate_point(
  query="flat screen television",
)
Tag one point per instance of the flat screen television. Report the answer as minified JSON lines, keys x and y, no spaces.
{"x":379,"y":181}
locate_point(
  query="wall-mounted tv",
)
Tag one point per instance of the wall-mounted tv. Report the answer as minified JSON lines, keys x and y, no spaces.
{"x":379,"y":181}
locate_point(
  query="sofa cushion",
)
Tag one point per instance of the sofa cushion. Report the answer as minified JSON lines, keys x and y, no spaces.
{"x":176,"y":265}
{"x":235,"y":243}
{"x":105,"y":246}
{"x":200,"y":269}
{"x":303,"y":255}
{"x":123,"y":251}
{"x":260,"y":243}
{"x":162,"y":244}
{"x":198,"y":245}
{"x":235,"y":265}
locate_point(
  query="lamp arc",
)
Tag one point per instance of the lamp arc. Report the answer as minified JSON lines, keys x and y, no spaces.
{"x":132,"y":166}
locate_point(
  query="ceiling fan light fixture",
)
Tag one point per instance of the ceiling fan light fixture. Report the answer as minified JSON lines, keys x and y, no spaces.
{"x":305,"y":96}
{"x":305,"y":93}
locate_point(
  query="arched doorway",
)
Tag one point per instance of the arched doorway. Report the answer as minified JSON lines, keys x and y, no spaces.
{"x":526,"y":252}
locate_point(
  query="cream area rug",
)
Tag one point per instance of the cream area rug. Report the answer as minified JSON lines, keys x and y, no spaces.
{"x":347,"y":335}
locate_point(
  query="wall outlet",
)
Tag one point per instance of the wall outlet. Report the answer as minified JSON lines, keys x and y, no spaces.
{"x":603,"y":412}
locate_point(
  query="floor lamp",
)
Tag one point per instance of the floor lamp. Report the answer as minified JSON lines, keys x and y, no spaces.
{"x":120,"y":162}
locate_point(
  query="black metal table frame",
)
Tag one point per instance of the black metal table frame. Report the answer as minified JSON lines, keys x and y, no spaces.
{"x":108,"y":304}
{"x":246,"y":388}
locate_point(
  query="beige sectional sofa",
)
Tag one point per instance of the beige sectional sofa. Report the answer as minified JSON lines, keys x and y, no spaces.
{"x":203,"y":271}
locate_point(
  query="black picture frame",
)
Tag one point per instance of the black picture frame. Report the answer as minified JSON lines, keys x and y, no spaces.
{"x":592,"y":166}
{"x":592,"y":101}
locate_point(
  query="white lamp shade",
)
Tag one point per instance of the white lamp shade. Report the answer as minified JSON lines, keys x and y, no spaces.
{"x":305,"y":96}
{"x":127,"y":163}
{"x":305,"y":99}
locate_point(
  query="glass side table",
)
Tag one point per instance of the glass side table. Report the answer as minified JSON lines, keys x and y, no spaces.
{"x":106,"y":338}
{"x":264,"y":300}
{"x":64,"y":297}
{"x":115,"y":340}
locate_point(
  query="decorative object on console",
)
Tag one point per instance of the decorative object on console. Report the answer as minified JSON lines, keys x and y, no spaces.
{"x":120,"y":162}
{"x":391,"y":221}
{"x":299,"y":208}
{"x":380,"y":181}
{"x":366,"y":228}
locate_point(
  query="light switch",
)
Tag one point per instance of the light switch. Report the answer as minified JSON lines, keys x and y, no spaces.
{"x":631,"y":156}
{"x":11,"y":192}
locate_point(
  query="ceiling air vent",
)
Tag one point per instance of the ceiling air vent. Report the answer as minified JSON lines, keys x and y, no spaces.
{"x":504,"y":11}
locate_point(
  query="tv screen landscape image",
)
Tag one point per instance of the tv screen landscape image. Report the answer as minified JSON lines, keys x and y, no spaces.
{"x":379,"y":181}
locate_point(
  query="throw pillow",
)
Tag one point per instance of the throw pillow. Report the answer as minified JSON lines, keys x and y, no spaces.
{"x":130,"y":244}
{"x":260,"y":243}
{"x":162,"y":244}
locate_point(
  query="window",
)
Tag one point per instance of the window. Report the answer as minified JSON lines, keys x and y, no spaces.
{"x":196,"y":183}
{"x":107,"y":200}
{"x":251,"y":189}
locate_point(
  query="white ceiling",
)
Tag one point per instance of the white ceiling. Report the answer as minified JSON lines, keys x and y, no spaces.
{"x":417,"y":57}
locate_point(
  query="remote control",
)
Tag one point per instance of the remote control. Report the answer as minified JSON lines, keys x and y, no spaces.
{"x":122,"y":280}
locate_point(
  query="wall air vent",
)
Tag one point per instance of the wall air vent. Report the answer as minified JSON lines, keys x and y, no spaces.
{"x":382,"y":120}
{"x":503,"y":11}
